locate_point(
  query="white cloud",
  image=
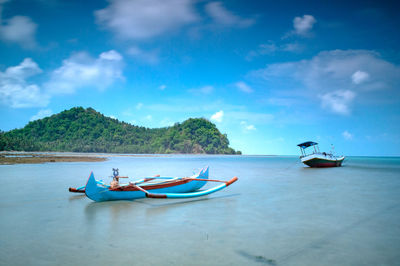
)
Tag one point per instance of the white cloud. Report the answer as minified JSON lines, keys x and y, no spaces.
{"x":42,"y":114}
{"x":291,"y":47}
{"x":347,"y":135}
{"x":16,"y":91}
{"x":166,"y":122}
{"x":150,"y":57}
{"x":243,"y":87}
{"x":217,"y":117}
{"x":267,"y":48}
{"x":26,"y":69}
{"x":144,"y":19}
{"x":338,"y":101}
{"x":271,"y":48}
{"x":303,"y":25}
{"x":148,"y":118}
{"x":325,"y":78}
{"x":162,"y":87}
{"x":81,"y":70}
{"x":203,"y":90}
{"x":252,"y":117}
{"x":18,"y":29}
{"x":139,"y":106}
{"x":224,"y":17}
{"x":111,"y":55}
{"x":359,"y":77}
{"x":247,"y":127}
{"x":250,"y":127}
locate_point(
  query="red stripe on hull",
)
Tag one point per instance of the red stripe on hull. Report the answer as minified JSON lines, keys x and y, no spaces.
{"x":320,"y":163}
{"x":150,"y":187}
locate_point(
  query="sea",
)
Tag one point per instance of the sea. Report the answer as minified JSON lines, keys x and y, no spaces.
{"x":279,"y":212}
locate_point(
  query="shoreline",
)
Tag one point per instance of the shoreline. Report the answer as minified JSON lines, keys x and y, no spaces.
{"x":24,"y":157}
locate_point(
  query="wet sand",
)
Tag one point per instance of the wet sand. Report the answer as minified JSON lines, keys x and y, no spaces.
{"x":33,"y":158}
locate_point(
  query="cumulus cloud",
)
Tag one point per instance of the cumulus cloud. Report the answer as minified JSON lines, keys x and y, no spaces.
{"x":330,"y":78}
{"x":42,"y":114}
{"x":18,"y":29}
{"x":303,"y":25}
{"x":144,"y":19}
{"x":139,"y":106}
{"x":217,"y":117}
{"x":271,"y":48}
{"x":203,"y":90}
{"x":247,"y":127}
{"x":347,"y":135}
{"x":359,"y":77}
{"x":338,"y":101}
{"x":224,"y":17}
{"x":15,"y":89}
{"x":250,"y":127}
{"x":166,"y":122}
{"x":243,"y":87}
{"x":81,"y":70}
{"x":150,"y":57}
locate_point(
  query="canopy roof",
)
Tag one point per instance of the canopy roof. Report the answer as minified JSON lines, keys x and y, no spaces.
{"x":307,"y":144}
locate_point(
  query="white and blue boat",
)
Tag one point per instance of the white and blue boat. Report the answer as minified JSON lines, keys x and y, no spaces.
{"x":152,"y":187}
{"x":317,"y":158}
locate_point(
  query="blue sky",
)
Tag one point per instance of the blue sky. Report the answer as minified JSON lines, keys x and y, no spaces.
{"x":269,"y":74}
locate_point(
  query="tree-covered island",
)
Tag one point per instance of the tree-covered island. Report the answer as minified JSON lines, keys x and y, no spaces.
{"x":86,"y":130}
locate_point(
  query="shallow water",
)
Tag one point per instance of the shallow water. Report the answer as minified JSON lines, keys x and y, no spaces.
{"x":278,"y":213}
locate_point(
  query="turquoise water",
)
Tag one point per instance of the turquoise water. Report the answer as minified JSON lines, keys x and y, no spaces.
{"x":278,"y":213}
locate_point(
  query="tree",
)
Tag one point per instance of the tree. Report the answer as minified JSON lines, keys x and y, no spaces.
{"x":86,"y":130}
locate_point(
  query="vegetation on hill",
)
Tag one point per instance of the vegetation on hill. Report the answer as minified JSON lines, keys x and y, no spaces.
{"x":85,"y":130}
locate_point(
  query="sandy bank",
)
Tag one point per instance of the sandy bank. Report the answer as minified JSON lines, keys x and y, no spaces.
{"x":29,"y":158}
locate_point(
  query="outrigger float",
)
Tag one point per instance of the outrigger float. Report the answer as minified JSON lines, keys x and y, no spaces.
{"x":317,"y":158}
{"x":150,"y":187}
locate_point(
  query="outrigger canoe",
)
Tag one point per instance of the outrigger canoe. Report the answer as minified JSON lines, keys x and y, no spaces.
{"x":153,"y":187}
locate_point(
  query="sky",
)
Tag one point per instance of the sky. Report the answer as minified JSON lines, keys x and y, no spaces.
{"x":269,"y":74}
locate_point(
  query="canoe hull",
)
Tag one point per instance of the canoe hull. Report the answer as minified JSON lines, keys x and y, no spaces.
{"x":99,"y":192}
{"x":322,"y":161}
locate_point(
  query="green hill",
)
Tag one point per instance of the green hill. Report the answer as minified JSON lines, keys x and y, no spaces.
{"x":85,"y":130}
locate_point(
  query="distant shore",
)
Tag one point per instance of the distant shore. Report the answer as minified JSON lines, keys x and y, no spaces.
{"x":36,"y":158}
{"x":24,"y":157}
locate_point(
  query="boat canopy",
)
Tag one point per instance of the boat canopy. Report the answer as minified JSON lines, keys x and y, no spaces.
{"x":307,"y":144}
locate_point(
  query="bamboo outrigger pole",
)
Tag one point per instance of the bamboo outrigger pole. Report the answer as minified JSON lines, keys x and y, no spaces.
{"x":188,"y":195}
